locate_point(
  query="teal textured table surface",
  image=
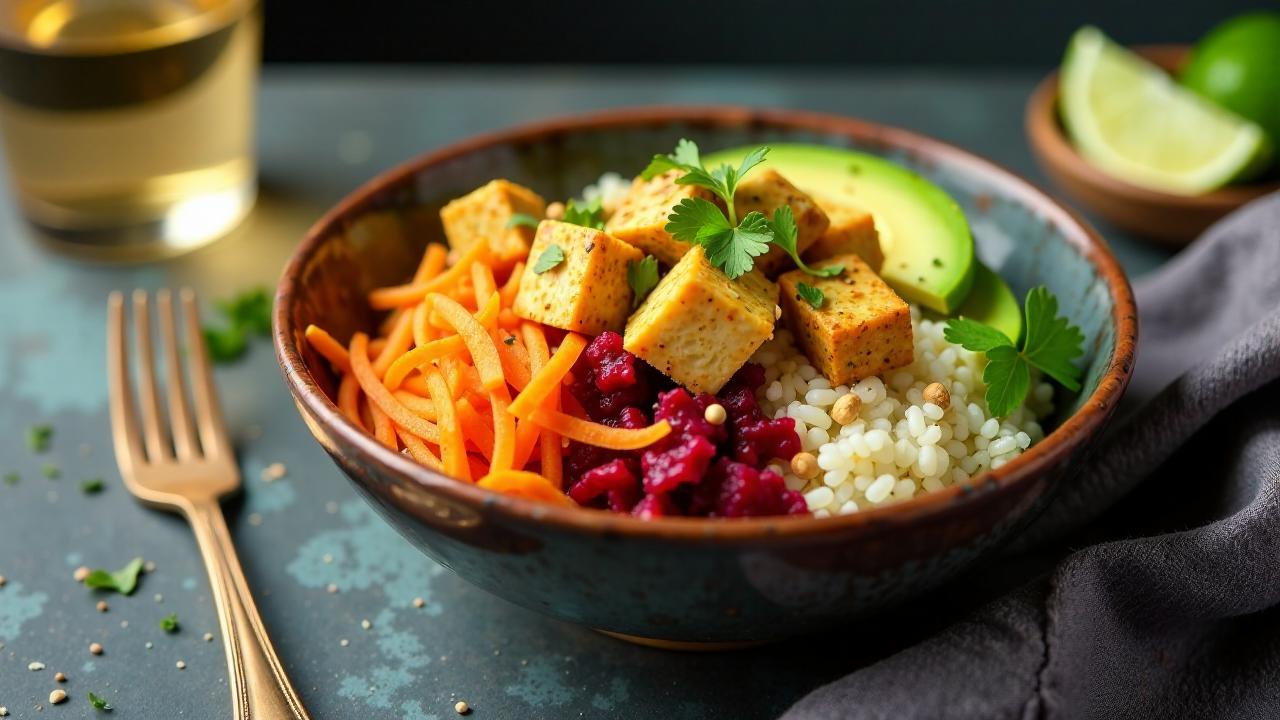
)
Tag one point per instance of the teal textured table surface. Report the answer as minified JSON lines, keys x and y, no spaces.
{"x":323,"y":131}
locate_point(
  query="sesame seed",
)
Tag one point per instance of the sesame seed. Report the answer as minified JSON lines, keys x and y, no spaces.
{"x":60,"y":677}
{"x":158,"y":598}
{"x":274,"y":471}
{"x":366,"y":624}
{"x":326,"y":558}
{"x":149,"y":645}
{"x":331,"y":507}
{"x":58,"y":696}
{"x":331,"y":588}
{"x":208,"y":637}
{"x":4,"y":711}
{"x":149,"y":566}
{"x":102,"y":606}
{"x":461,"y":707}
{"x":419,"y":602}
{"x":180,"y":665}
{"x":344,"y":642}
{"x":35,"y":666}
{"x":81,"y":573}
{"x":95,"y":648}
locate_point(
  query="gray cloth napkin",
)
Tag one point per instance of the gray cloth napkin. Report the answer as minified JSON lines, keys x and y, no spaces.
{"x":1154,"y":587}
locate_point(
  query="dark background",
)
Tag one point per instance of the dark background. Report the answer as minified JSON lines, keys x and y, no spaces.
{"x":923,"y":32}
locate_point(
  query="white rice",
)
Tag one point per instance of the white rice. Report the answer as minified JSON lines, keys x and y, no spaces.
{"x":610,"y":188}
{"x":899,"y":445}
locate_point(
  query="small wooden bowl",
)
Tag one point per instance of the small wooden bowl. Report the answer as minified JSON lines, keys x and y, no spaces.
{"x":1164,"y":217}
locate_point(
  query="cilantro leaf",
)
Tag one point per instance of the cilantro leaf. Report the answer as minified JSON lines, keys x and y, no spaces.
{"x":1052,"y":342}
{"x":249,"y":310}
{"x":811,"y":295}
{"x":11,"y":478}
{"x":99,"y":703}
{"x":642,"y":276}
{"x":123,"y":581}
{"x":591,"y":215}
{"x":722,"y":180}
{"x":38,"y":437}
{"x":1008,"y":378}
{"x":522,"y":220}
{"x":51,"y":471}
{"x":93,"y":486}
{"x":685,"y":157}
{"x":225,"y":344}
{"x":687,"y":153}
{"x":735,"y":250}
{"x":973,"y":335}
{"x":551,"y":257}
{"x":695,"y":218}
{"x":169,"y":623}
{"x":785,"y":232}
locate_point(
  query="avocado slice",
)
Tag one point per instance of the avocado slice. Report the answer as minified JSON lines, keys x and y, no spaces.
{"x":991,"y":302}
{"x":928,"y":249}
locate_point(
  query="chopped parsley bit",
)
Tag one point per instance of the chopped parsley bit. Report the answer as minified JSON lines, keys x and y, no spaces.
{"x":50,"y":471}
{"x":642,"y":276}
{"x":551,"y":257}
{"x":590,"y":215}
{"x":98,"y":703}
{"x":937,"y":262}
{"x":1051,"y":343}
{"x":38,"y":437}
{"x":784,"y":229}
{"x":11,"y":478}
{"x":509,"y":340}
{"x":123,"y":581}
{"x":169,"y":623}
{"x":811,"y":295}
{"x":248,"y":313}
{"x":522,"y":220}
{"x":92,"y":486}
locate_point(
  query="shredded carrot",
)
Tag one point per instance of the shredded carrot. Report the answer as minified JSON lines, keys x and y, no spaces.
{"x":418,"y":449}
{"x":387,"y":323}
{"x":421,"y":328}
{"x":483,"y":352}
{"x":479,"y":467}
{"x":548,"y":378}
{"x":504,"y":433}
{"x":398,"y":341}
{"x":508,"y":319}
{"x":420,"y":357}
{"x":514,"y":358}
{"x":530,"y":486}
{"x":416,"y":384}
{"x":418,"y":405}
{"x":549,"y":451}
{"x":400,"y":295}
{"x":332,"y":350}
{"x":382,"y":428}
{"x":433,"y":261}
{"x":376,"y":347}
{"x":527,"y":437}
{"x":593,"y":433}
{"x":512,"y":285}
{"x":382,"y":397}
{"x":475,"y":428}
{"x":348,"y":396}
{"x":482,"y":282}
{"x":453,"y":449}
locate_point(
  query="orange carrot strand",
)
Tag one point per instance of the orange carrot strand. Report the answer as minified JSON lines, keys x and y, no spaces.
{"x":380,"y":395}
{"x":453,"y":449}
{"x":593,"y":433}
{"x":348,"y":396}
{"x":418,"y":449}
{"x":398,"y":341}
{"x":330,"y":349}
{"x":400,"y":295}
{"x":548,"y":378}
{"x":527,"y":485}
{"x":433,"y":261}
{"x":504,"y":433}
{"x":483,"y":352}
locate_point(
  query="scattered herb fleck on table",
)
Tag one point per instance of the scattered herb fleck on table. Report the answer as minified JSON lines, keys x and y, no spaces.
{"x":92,"y":486}
{"x":39,"y":437}
{"x":245,"y":314}
{"x":123,"y":581}
{"x":169,"y":623}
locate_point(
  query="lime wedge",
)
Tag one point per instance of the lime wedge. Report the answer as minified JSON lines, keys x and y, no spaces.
{"x":1132,"y":120}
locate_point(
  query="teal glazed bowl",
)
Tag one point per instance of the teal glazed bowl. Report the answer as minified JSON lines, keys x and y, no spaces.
{"x":686,"y":582}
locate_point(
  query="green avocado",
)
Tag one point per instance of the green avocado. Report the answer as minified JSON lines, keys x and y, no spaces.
{"x":928,"y":249}
{"x":991,"y":302}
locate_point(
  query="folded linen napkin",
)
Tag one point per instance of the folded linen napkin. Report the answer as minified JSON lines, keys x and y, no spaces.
{"x":1156,"y":583}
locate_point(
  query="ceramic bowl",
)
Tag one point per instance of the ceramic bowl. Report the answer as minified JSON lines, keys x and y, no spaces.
{"x":1163,"y":217}
{"x":688,"y":582}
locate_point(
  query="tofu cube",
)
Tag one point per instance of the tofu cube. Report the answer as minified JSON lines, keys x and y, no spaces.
{"x":698,"y":326}
{"x":640,"y":220}
{"x":852,"y":231}
{"x":767,"y":190}
{"x":862,"y":329}
{"x":587,"y":292}
{"x":482,"y":215}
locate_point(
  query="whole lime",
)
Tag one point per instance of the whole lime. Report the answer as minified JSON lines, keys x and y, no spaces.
{"x":1237,"y":66}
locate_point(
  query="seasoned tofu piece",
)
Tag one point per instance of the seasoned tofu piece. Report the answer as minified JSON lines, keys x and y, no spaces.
{"x":641,"y":218}
{"x":698,"y":326}
{"x":863,"y":328}
{"x":852,"y":231}
{"x":767,"y":190}
{"x":587,"y":292}
{"x":483,"y":213}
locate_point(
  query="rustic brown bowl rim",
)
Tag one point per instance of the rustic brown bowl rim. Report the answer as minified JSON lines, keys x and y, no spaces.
{"x":1055,"y":448}
{"x":1050,"y":143}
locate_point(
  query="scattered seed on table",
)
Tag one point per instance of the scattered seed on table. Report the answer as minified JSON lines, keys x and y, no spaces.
{"x":331,"y":507}
{"x":461,"y":707}
{"x":417,"y":602}
{"x":95,"y":648}
{"x":366,"y":624}
{"x":344,"y":642}
{"x":149,"y":566}
{"x":2,"y":581}
{"x":158,"y":598}
{"x":58,"y":696}
{"x":255,"y":519}
{"x":60,"y":677}
{"x":274,"y":471}
{"x":149,"y":646}
{"x":102,"y":606}
{"x":35,"y":666}
{"x":208,"y":637}
{"x":4,"y":711}
{"x":124,"y":624}
{"x":81,"y":573}
{"x":326,"y":558}
{"x":180,"y":665}
{"x":331,"y":588}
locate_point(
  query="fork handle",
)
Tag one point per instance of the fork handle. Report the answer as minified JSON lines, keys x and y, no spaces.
{"x":260,"y":690}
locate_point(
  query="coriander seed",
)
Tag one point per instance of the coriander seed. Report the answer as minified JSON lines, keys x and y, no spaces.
{"x":937,"y":394}
{"x":555,"y":210}
{"x":715,"y":414}
{"x":102,"y":606}
{"x":81,"y":573}
{"x":804,"y":465}
{"x":60,"y":677}
{"x":58,"y":696}
{"x":846,"y":409}
{"x":461,"y":707}
{"x":419,"y":602}
{"x":95,"y":648}
{"x":180,"y":665}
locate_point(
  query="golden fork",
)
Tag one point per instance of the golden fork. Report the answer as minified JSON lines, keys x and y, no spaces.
{"x":190,"y":476}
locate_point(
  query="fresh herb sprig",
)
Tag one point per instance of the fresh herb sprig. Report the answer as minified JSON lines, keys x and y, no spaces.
{"x":1050,"y":345}
{"x":590,"y":215}
{"x":642,"y":276}
{"x":812,"y":295}
{"x":731,"y":244}
{"x":522,"y":220}
{"x":169,"y":623}
{"x":551,"y":257}
{"x":247,"y":313}
{"x":99,"y":703}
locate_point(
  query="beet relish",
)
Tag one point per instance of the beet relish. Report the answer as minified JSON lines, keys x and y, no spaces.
{"x":700,"y":469}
